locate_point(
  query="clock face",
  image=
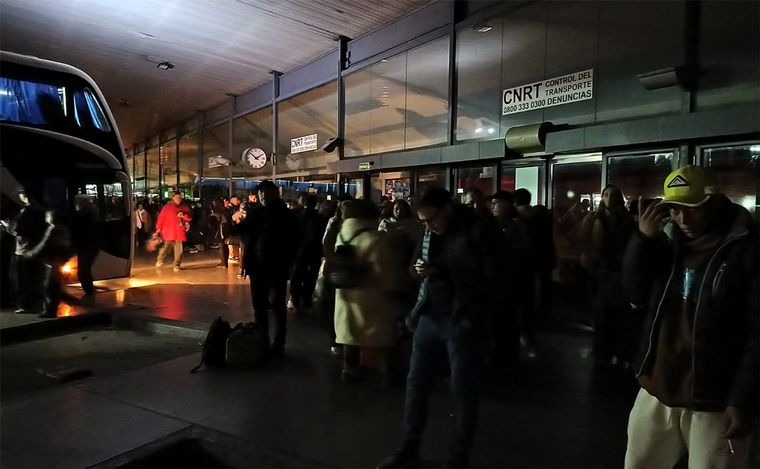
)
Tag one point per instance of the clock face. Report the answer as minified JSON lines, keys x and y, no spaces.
{"x":255,"y":157}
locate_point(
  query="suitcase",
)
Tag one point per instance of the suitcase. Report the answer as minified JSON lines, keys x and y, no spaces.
{"x":247,"y":346}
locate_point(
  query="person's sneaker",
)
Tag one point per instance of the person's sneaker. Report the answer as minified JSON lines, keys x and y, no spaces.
{"x":193,"y":251}
{"x":400,"y":458}
{"x":177,"y":269}
{"x":336,"y":350}
{"x":24,"y":311}
{"x":291,"y":306}
{"x":159,"y":265}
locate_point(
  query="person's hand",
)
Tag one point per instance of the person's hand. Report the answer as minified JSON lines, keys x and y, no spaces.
{"x":650,"y":219}
{"x":237,"y":216}
{"x":423,"y":269}
{"x":737,"y":425}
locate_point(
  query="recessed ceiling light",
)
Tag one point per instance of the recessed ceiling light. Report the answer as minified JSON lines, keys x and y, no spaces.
{"x":165,"y":65}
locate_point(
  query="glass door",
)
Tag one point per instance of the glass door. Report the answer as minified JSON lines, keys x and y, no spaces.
{"x":640,"y":174}
{"x":425,"y":177}
{"x":737,"y":172}
{"x":525,"y":175}
{"x":481,"y":177}
{"x":575,"y":191}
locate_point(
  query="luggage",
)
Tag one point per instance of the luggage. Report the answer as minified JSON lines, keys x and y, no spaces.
{"x":247,"y":346}
{"x":215,"y":344}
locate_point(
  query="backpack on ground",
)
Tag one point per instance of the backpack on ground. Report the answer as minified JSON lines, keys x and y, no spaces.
{"x":347,"y":269}
{"x":214,"y":347}
{"x":247,"y":346}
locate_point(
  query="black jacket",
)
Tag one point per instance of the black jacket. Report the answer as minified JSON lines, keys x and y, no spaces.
{"x":725,"y":335}
{"x":471,"y":248}
{"x":271,"y":235}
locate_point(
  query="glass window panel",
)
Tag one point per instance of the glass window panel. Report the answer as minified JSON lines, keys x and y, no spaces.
{"x":140,"y":174}
{"x":153,"y":172}
{"x":400,"y":102}
{"x":312,"y":112}
{"x":389,"y":113}
{"x":737,"y":172}
{"x":253,"y":130}
{"x":188,"y":160}
{"x":572,"y":183}
{"x":169,"y":165}
{"x":640,"y":175}
{"x":359,"y":105}
{"x":430,"y":177}
{"x":524,"y":177}
{"x":427,"y":94}
{"x":131,"y":168}
{"x":480,"y":177}
{"x":215,"y":143}
{"x":478,"y":58}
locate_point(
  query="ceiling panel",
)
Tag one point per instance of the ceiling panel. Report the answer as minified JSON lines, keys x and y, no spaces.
{"x":218,"y":47}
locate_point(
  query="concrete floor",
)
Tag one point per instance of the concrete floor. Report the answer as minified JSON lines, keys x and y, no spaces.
{"x":555,"y":411}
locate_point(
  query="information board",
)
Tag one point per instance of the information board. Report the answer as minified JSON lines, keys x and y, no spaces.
{"x":302,"y":144}
{"x":570,"y":88}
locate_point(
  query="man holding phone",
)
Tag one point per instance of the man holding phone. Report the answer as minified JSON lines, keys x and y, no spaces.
{"x":696,"y":283}
{"x":456,"y":264}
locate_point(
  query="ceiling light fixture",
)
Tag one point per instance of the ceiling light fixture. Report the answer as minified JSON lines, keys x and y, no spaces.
{"x":165,"y":66}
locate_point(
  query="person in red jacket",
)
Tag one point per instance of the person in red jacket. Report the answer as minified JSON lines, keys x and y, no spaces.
{"x":172,"y":225}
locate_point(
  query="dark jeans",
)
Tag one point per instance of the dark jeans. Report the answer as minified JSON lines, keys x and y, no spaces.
{"x":27,"y":278}
{"x":528,"y":302}
{"x":262,"y":287}
{"x":303,"y":281}
{"x":505,"y":334}
{"x":463,"y":347}
{"x":85,"y":259}
{"x":614,"y":332}
{"x":53,"y":288}
{"x":224,"y":253}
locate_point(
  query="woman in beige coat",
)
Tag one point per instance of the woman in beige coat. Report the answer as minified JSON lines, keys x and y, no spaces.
{"x":367,"y":315}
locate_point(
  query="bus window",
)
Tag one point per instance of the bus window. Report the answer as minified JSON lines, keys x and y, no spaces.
{"x":26,"y":102}
{"x":87,"y":111}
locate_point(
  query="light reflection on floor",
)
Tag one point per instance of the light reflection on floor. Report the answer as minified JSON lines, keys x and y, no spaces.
{"x":199,"y":291}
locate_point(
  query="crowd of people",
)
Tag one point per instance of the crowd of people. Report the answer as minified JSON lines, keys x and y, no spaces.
{"x":673,"y":289}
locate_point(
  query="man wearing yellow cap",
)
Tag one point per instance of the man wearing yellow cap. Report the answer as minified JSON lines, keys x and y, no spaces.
{"x":695,"y":280}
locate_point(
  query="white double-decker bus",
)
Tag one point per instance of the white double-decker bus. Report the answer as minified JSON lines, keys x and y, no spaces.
{"x":59,"y":141}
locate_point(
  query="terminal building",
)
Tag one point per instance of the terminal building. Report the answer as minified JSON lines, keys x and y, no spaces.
{"x":560,"y":98}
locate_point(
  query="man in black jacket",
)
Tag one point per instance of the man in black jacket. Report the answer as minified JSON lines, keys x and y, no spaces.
{"x":269,"y":231}
{"x":309,"y":256}
{"x":456,"y":264}
{"x":696,"y":283}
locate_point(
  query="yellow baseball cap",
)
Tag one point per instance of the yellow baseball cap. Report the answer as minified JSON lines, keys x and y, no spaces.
{"x":690,"y":186}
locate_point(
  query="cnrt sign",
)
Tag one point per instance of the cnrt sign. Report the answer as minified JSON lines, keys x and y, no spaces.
{"x":552,"y":92}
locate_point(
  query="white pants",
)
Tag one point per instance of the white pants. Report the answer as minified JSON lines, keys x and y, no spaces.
{"x":659,"y":435}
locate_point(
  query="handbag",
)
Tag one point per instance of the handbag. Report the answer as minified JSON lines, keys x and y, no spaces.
{"x":154,"y":243}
